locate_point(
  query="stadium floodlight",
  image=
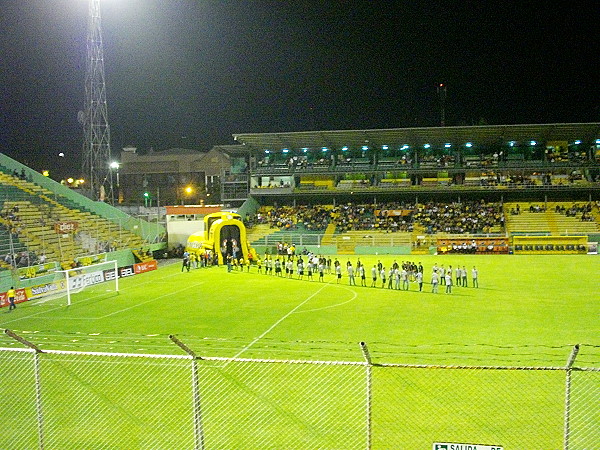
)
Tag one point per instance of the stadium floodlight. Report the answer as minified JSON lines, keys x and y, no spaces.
{"x":427,"y":146}
{"x":344,"y":148}
{"x":285,"y":150}
{"x":468,"y":145}
{"x":447,"y":145}
{"x":365,"y":147}
{"x":385,"y":147}
{"x":577,"y":142}
{"x":533,"y":143}
{"x":97,"y":278}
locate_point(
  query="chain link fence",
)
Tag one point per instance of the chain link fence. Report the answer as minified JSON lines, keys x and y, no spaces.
{"x":66,"y":399}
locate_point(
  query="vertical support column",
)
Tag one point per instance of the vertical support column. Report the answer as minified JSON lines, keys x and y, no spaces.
{"x":567,"y":418}
{"x":38,"y":399}
{"x":38,"y":384}
{"x":367,"y":356}
{"x":198,"y":428}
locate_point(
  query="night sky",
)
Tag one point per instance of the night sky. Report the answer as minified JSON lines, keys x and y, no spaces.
{"x":183,"y":73}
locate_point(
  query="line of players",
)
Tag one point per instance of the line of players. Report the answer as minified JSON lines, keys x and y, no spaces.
{"x":399,"y":276}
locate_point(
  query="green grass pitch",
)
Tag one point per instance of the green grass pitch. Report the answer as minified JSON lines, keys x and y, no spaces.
{"x":548,"y":301}
{"x":527,"y":311}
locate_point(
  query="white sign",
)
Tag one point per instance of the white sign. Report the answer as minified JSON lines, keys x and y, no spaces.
{"x":89,"y":279}
{"x":454,"y":446}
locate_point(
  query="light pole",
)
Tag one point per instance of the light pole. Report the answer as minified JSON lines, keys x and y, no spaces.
{"x":114,"y":166}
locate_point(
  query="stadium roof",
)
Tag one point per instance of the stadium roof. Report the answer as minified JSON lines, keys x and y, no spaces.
{"x":481,"y":135}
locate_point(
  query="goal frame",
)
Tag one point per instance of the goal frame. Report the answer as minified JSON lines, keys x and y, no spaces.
{"x":113,"y":265}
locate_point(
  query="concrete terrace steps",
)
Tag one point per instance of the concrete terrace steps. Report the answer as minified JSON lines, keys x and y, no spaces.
{"x":259,"y":231}
{"x":548,"y":221}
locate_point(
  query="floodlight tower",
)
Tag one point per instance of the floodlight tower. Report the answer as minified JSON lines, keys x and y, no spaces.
{"x":96,"y":131}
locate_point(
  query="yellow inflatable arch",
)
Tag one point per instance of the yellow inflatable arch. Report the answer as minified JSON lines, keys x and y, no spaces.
{"x":224,"y":234}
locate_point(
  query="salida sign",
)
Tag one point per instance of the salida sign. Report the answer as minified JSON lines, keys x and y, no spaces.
{"x":455,"y":446}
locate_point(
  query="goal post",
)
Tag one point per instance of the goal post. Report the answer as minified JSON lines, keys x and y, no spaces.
{"x":81,"y":278}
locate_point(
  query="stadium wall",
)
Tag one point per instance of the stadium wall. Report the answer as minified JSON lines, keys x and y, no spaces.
{"x":148,"y":231}
{"x":370,"y":250}
{"x":317,"y":249}
{"x":249,"y":207}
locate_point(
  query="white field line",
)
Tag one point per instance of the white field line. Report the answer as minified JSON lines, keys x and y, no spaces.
{"x":294,"y":310}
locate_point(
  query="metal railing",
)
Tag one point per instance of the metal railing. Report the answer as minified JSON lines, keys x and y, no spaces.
{"x":65,"y":399}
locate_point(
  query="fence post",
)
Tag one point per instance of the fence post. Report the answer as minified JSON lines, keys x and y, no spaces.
{"x":198,"y":429}
{"x":568,"y":370}
{"x":38,"y":385}
{"x":367,"y":356}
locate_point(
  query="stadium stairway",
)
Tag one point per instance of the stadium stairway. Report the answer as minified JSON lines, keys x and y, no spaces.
{"x":328,"y":235}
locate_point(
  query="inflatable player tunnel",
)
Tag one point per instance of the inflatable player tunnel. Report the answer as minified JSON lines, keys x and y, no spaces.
{"x":224,"y":234}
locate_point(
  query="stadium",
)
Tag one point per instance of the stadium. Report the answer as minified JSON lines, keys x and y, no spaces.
{"x":216,"y":356}
{"x":379,"y":288}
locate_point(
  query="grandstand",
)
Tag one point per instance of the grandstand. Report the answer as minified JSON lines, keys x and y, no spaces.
{"x":42,"y":221}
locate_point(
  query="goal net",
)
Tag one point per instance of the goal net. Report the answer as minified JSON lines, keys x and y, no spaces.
{"x":96,"y":279}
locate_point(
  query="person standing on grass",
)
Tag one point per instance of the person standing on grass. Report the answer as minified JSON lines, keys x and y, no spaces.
{"x":338,"y":271}
{"x":229,"y":268}
{"x":382,"y":276}
{"x":363,"y":277}
{"x":350,"y":271}
{"x":443,"y":274}
{"x":186,"y":262}
{"x":270,"y":266}
{"x":458,"y":276}
{"x":419,"y":280}
{"x":321,"y":270}
{"x":391,"y":278}
{"x":397,"y":278}
{"x":309,"y":268}
{"x":464,"y":276}
{"x":474,"y":274}
{"x":449,"y":282}
{"x":258,"y":264}
{"x":435,"y":279}
{"x":11,"y":298}
{"x":374,"y":275}
{"x":404,"y":277}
